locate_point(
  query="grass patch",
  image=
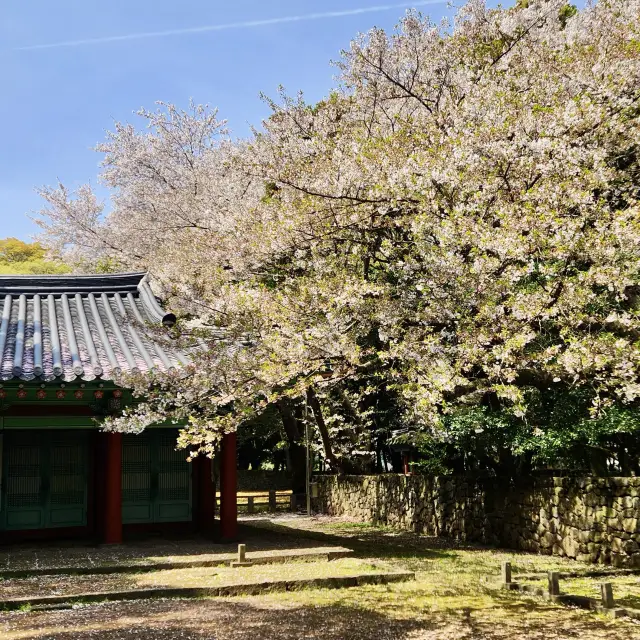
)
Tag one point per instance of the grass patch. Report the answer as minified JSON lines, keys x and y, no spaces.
{"x":203,"y":577}
{"x":451,"y":580}
{"x":71,"y":585}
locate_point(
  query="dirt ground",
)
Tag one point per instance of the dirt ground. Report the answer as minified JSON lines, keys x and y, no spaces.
{"x":269,"y":617}
{"x":453,"y":597}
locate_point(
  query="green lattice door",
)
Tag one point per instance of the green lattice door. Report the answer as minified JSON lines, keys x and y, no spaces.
{"x":156,"y":479}
{"x":44,"y":480}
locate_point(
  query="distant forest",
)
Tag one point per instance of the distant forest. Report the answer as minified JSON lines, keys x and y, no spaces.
{"x":19,"y":257}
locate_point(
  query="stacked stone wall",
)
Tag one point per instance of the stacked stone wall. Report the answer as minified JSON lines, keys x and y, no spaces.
{"x":263,"y":480}
{"x":589,"y":519}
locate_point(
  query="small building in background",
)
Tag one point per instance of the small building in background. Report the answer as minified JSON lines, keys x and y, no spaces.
{"x":63,"y":341}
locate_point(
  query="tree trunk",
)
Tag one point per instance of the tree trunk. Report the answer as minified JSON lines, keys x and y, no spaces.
{"x":624,"y":460}
{"x":297,"y":453}
{"x":314,"y":403}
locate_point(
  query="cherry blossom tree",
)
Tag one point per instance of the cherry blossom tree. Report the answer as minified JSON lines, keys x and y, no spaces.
{"x":456,"y":225}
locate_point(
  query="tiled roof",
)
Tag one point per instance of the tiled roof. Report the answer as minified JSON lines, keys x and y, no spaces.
{"x":80,"y":327}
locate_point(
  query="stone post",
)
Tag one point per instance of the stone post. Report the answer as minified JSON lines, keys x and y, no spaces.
{"x":242,"y":558}
{"x":554,"y":583}
{"x":606,"y":593}
{"x":272,"y":500}
{"x":506,"y":573}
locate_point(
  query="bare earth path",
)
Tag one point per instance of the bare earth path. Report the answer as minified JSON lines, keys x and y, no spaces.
{"x":449,"y":600}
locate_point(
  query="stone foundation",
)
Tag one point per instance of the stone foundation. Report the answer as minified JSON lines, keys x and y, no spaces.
{"x":589,"y":519}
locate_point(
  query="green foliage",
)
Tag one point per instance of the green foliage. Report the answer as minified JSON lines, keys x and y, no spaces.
{"x":271,"y":190}
{"x":558,"y":430}
{"x":261,"y":442}
{"x":19,"y":257}
{"x":456,"y":230}
{"x":107,"y":265}
{"x":568,"y":11}
{"x":14,"y":250}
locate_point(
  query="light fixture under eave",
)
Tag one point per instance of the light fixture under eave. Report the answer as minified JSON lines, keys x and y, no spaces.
{"x":169,"y":320}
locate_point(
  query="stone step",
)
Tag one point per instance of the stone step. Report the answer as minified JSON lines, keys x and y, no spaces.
{"x":265,"y":586}
{"x":297,"y":555}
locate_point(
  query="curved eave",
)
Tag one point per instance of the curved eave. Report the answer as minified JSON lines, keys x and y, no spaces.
{"x":54,"y":329}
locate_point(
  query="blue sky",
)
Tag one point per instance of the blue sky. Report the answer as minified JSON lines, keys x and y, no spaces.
{"x":56,"y":102}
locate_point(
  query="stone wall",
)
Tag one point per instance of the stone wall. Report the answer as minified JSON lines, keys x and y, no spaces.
{"x":589,"y":519}
{"x":262,"y":480}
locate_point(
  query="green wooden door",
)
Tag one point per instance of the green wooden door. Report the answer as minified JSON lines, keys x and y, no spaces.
{"x":173,"y":497}
{"x":156,"y":479}
{"x":23,"y":495}
{"x":44,"y":480}
{"x":137,"y":498}
{"x":68,"y":466}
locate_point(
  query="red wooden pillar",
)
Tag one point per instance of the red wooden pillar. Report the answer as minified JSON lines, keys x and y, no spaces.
{"x":228,"y":488}
{"x":113,"y":489}
{"x":206,"y":510}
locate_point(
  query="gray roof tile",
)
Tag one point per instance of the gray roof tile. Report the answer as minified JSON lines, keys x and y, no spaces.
{"x":80,"y":327}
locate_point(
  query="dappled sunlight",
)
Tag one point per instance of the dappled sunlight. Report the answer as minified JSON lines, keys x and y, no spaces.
{"x":297,"y":616}
{"x":209,"y":619}
{"x":218,"y":576}
{"x":453,"y":597}
{"x":155,"y":551}
{"x":200,"y":577}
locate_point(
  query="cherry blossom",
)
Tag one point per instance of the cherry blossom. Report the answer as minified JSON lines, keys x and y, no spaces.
{"x":459,"y":217}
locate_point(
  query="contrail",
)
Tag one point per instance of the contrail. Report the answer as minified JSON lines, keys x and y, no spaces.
{"x":249,"y":24}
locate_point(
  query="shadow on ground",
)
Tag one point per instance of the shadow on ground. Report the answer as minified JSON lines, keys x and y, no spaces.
{"x":204,"y":620}
{"x":265,"y":620}
{"x":447,"y":602}
{"x":365,"y":541}
{"x":137,"y":550}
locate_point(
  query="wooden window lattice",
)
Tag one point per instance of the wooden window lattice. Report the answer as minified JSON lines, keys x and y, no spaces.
{"x":24,"y":485}
{"x":136,"y":468}
{"x":156,"y":479}
{"x":45,"y":479}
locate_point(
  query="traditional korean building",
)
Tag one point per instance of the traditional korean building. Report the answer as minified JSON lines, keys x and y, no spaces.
{"x":63,"y":341}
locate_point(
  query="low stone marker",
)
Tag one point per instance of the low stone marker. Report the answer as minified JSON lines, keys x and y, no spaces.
{"x":242,"y":557}
{"x":250,"y":505}
{"x":606,"y":595}
{"x":605,"y":604}
{"x":272,"y":500}
{"x":506,"y":573}
{"x":294,"y":502}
